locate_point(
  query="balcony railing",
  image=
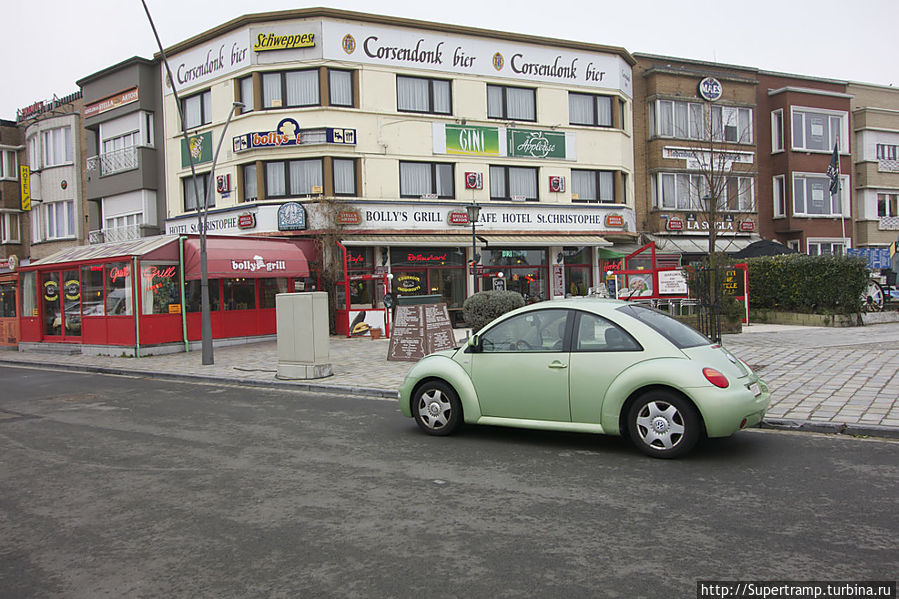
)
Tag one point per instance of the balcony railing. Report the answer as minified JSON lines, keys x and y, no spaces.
{"x":888,"y":166}
{"x":889,"y":223}
{"x":113,"y":234}
{"x":117,"y":161}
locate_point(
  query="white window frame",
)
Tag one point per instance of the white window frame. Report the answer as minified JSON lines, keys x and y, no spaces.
{"x":9,"y":165}
{"x":844,"y":200}
{"x":890,"y":201}
{"x":10,"y":226}
{"x":123,"y":220}
{"x":843,"y":133}
{"x":53,"y":155}
{"x":887,"y":151}
{"x":730,"y":117}
{"x":691,"y":111}
{"x":696,"y":186}
{"x":779,"y":196}
{"x":819,"y":242}
{"x":777,"y":132}
{"x":34,"y":151}
{"x":50,"y":226}
{"x":745,"y":194}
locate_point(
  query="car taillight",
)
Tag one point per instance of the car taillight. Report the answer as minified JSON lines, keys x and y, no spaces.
{"x":715,"y":377}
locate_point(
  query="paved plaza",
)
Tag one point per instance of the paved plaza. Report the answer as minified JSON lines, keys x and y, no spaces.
{"x":828,"y":379}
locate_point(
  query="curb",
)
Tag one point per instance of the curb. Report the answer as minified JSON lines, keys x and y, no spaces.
{"x":833,"y":428}
{"x":370,"y":392}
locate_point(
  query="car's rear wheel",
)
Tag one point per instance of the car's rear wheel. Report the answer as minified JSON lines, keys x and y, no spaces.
{"x":437,"y":408}
{"x":663,"y":425}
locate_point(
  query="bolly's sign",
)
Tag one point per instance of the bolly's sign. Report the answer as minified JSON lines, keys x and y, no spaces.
{"x":258,"y":263}
{"x":288,"y":133}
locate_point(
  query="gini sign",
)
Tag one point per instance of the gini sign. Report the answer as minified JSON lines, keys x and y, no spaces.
{"x":710,"y":89}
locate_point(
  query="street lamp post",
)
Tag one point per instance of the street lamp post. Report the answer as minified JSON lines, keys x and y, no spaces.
{"x":474,"y":211}
{"x":205,"y":317}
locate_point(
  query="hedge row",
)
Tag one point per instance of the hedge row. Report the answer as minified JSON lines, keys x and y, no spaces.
{"x":482,"y":307}
{"x":809,"y":284}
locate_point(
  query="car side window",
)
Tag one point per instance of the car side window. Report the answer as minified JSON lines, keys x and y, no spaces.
{"x":538,"y":331}
{"x":595,"y":333}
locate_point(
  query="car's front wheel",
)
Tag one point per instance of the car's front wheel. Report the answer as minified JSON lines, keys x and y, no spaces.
{"x":437,"y":408}
{"x":663,"y":425}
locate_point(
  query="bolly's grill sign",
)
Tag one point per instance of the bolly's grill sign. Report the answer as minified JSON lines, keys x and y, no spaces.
{"x":258,"y":263}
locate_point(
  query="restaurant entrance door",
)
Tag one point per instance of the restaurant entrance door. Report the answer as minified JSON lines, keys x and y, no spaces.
{"x":61,"y":305}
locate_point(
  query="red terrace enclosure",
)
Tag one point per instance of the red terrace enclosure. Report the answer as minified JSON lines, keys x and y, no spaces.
{"x":144,"y":295}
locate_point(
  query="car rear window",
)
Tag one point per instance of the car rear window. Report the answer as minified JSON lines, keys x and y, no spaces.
{"x":671,"y":329}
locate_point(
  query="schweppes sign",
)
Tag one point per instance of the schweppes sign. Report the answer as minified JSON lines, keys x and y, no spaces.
{"x":271,"y":41}
{"x":25,"y":183}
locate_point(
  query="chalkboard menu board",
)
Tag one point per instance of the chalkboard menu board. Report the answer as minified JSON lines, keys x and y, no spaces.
{"x":420,"y":330}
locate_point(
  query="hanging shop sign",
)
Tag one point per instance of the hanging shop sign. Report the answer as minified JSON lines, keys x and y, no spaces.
{"x":674,"y":224}
{"x":25,"y":187}
{"x":223,"y":183}
{"x":288,"y":133}
{"x":614,"y":220}
{"x":291,"y":217}
{"x":112,"y":102}
{"x":474,"y":181}
{"x":710,"y":89}
{"x":455,"y":217}
{"x":272,"y":41}
{"x":246,"y":221}
{"x":198,"y":147}
{"x":747,"y":225}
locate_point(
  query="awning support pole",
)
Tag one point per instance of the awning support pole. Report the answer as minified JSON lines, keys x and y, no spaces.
{"x":183,"y":294}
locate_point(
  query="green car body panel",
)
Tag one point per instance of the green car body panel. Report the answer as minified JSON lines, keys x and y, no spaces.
{"x":599,"y":384}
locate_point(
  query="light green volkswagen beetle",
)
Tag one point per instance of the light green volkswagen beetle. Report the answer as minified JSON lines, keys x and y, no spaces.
{"x":589,"y":365}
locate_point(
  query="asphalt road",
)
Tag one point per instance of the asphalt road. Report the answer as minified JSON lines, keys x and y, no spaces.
{"x":129,"y":487}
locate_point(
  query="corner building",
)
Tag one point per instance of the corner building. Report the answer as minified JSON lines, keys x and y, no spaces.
{"x":379,"y":131}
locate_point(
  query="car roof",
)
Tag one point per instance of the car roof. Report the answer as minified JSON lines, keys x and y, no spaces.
{"x":590,"y":304}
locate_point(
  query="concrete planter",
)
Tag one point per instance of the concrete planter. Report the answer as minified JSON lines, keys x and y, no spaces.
{"x":812,"y":320}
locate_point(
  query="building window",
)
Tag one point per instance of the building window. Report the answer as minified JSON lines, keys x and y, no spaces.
{"x":511,"y":103}
{"x":195,"y":195}
{"x":732,"y":124}
{"x":246,"y":94}
{"x":678,"y":191}
{"x":34,"y":152}
{"x":9,"y":227}
{"x":9,"y":166}
{"x":587,"y":109}
{"x":340,"y":85}
{"x":124,"y":221}
{"x":58,"y":220}
{"x":250,"y":193}
{"x":592,"y":186}
{"x":811,"y":195}
{"x":669,"y":118}
{"x":197,"y":109}
{"x":887,"y":152}
{"x":737,"y":195}
{"x":823,"y":247}
{"x":417,"y":94}
{"x":777,"y":131}
{"x":290,"y":89}
{"x":780,"y":196}
{"x":886,"y":204}
{"x":818,"y":130}
{"x":513,"y":183}
{"x":291,"y":178}
{"x":344,"y":175}
{"x":423,"y":179}
{"x":57,"y":146}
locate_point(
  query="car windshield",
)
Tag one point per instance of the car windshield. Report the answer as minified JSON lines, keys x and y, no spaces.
{"x":671,"y":329}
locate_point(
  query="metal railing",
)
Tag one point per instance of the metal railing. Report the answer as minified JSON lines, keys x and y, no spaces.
{"x":889,"y":223}
{"x":117,"y":161}
{"x":113,"y":234}
{"x":888,"y":166}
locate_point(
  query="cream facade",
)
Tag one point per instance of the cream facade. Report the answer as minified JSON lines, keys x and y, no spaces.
{"x":386,"y":129}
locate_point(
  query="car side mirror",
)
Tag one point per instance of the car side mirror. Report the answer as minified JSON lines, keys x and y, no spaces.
{"x":474,"y":343}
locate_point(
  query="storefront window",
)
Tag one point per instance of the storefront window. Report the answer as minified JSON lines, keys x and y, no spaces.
{"x":360,"y":261}
{"x":92,"y":303}
{"x":577,"y":270}
{"x":118,"y":289}
{"x":524,"y":270}
{"x":268,"y":289}
{"x":8,"y":299}
{"x":192,"y":296}
{"x":430,"y":271}
{"x":239,"y":294}
{"x":160,"y":288}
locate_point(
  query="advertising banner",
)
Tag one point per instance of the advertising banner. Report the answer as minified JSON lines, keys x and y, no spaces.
{"x":200,"y":149}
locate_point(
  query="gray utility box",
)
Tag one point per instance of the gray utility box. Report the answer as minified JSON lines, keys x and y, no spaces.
{"x":303,"y":336}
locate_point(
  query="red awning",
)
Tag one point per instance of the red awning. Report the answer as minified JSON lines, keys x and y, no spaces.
{"x":245,"y":257}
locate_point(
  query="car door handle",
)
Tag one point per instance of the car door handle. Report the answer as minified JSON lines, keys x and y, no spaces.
{"x":558,"y":365}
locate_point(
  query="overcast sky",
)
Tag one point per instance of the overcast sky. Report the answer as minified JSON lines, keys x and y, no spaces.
{"x":47,"y":46}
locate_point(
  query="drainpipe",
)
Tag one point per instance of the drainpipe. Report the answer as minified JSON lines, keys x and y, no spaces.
{"x":183,"y":302}
{"x":135,"y":275}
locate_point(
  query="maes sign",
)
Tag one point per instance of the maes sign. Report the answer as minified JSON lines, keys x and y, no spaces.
{"x":419,"y":331}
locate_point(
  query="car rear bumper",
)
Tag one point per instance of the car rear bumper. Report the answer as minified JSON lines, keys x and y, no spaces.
{"x":726,"y":411}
